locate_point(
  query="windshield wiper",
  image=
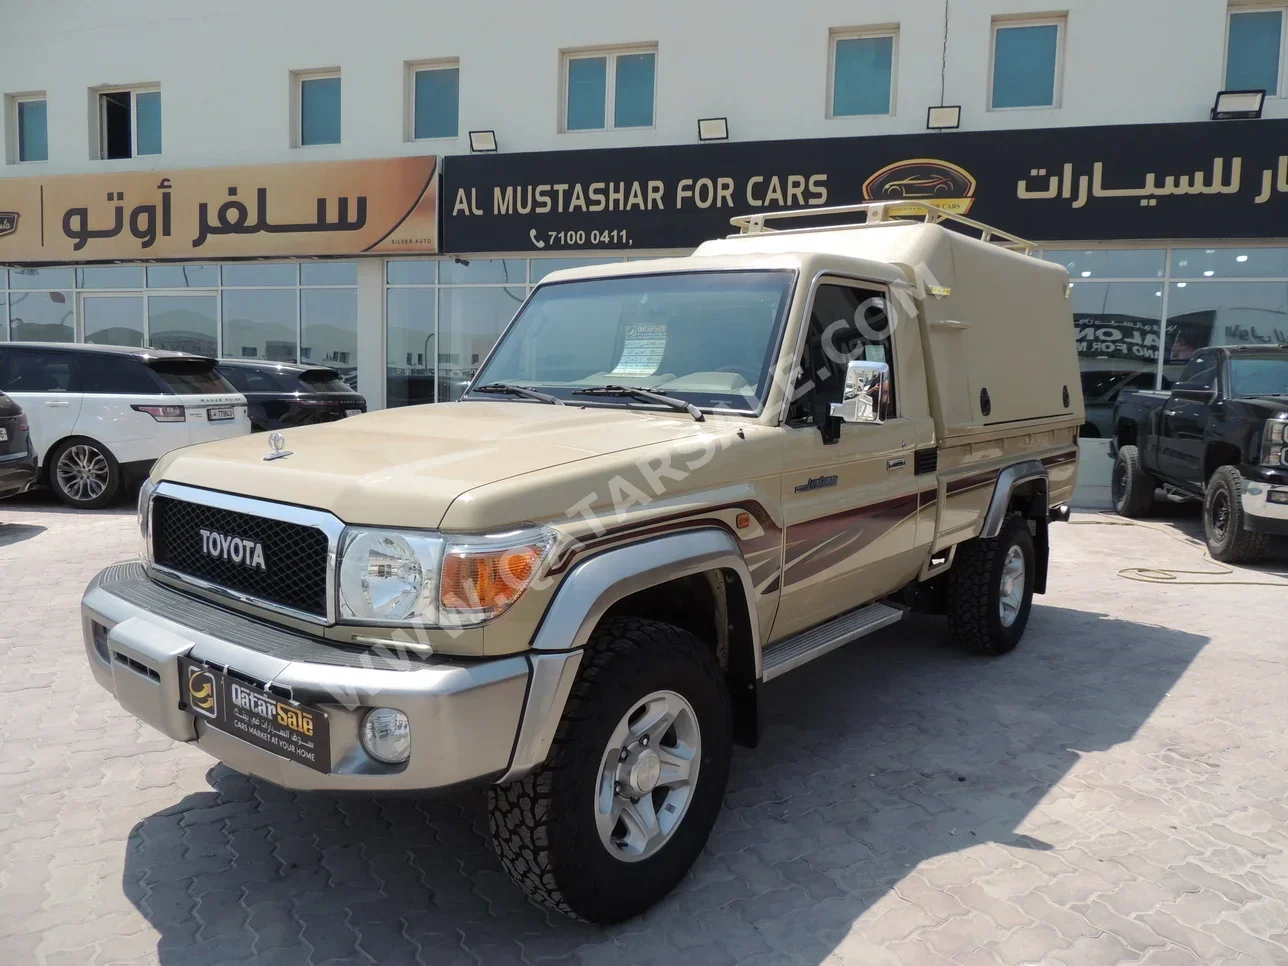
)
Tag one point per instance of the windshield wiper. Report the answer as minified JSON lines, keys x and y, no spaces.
{"x":651,"y":395}
{"x":505,"y":389}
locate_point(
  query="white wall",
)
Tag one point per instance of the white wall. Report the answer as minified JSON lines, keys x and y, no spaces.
{"x":224,"y":67}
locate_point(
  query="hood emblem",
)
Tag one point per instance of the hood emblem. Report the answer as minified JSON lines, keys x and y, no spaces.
{"x":275,"y":442}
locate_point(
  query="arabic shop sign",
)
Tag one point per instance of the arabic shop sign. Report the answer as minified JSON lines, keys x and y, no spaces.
{"x":323,"y":208}
{"x":1209,"y":180}
{"x":1115,"y":336}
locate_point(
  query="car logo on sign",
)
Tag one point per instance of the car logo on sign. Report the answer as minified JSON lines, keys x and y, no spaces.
{"x":8,"y":222}
{"x":201,"y":692}
{"x":930,"y":181}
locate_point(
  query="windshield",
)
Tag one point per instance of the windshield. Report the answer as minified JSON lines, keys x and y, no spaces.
{"x":1259,"y":376}
{"x":708,"y":338}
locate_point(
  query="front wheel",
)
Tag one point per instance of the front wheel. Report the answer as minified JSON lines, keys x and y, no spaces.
{"x":84,"y":474}
{"x":622,"y":808}
{"x":990,"y":589}
{"x":1224,"y":525}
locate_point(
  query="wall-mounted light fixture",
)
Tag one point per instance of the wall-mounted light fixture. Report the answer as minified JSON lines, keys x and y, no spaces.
{"x":944,"y":118}
{"x":713,"y":129}
{"x":1238,"y":105}
{"x":483,"y":142}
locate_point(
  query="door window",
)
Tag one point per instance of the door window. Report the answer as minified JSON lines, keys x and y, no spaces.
{"x":37,"y":371}
{"x":846,"y":324}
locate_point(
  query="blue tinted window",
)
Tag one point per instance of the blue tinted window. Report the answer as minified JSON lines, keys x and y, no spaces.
{"x":147,"y":122}
{"x":633,"y":99}
{"x":861,"y":81}
{"x":438,"y":102}
{"x":320,"y":111}
{"x":587,"y":85}
{"x":1252,"y":58}
{"x":33,"y":136}
{"x":1024,"y":66}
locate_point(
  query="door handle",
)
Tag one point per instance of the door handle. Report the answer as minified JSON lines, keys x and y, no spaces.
{"x":896,"y":463}
{"x":51,"y":402}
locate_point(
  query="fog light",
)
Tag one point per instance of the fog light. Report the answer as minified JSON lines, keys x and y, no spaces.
{"x":1279,"y":496}
{"x":386,"y":735}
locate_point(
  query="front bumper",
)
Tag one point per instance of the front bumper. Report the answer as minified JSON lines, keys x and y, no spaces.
{"x":470,"y":721}
{"x":1261,"y":510}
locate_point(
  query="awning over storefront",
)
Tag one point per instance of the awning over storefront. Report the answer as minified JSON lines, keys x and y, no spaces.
{"x":1223,"y":179}
{"x":386,"y":205}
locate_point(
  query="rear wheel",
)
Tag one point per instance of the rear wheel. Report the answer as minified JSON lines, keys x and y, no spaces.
{"x":990,"y":589}
{"x":84,"y":474}
{"x":1224,"y":524}
{"x":1132,"y":488}
{"x":622,"y":808}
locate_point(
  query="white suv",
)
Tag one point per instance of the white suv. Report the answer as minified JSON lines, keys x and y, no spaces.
{"x":102,"y":415}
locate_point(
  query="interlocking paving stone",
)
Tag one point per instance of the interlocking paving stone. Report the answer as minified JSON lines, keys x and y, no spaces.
{"x":1112,"y":792}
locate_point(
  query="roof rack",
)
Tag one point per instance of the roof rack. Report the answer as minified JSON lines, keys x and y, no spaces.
{"x":881,"y":213}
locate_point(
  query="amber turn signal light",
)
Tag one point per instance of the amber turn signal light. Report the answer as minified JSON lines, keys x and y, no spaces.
{"x":486,"y":583}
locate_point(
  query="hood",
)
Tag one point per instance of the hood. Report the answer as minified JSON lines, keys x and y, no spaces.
{"x":404,"y":467}
{"x":1268,"y":406}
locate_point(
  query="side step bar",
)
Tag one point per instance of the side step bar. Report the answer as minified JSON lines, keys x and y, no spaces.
{"x":817,"y":641}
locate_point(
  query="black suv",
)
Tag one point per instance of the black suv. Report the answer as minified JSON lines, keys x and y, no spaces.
{"x":17,"y":457}
{"x":286,"y":394}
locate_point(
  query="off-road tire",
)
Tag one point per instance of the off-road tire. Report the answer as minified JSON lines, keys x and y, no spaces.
{"x":111,"y":486}
{"x":1237,"y":544}
{"x":1133,"y":488}
{"x":973,"y":593}
{"x":543,"y":826}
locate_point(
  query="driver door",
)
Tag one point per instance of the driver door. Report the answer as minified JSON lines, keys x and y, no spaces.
{"x":1184,"y":420}
{"x":849,"y":491}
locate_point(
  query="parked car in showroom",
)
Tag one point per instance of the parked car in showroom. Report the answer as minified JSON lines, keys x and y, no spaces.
{"x":1220,"y":436}
{"x":101,"y":415}
{"x":17,"y":459}
{"x":280,"y":395}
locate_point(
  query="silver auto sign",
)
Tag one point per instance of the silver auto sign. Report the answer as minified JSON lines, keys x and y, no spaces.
{"x":238,"y":550}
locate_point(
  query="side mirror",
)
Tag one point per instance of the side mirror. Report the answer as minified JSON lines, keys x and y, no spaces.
{"x":1194,"y":390}
{"x":863,"y":400}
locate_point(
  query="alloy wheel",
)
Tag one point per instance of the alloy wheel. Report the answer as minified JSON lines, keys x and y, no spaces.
{"x":82,"y":473}
{"x":1011,"y":598}
{"x":647,"y":775}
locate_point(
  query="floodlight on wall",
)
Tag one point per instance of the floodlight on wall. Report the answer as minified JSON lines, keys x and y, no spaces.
{"x":483,"y":142}
{"x":1238,"y":105}
{"x":944,"y":118}
{"x":713,"y":129}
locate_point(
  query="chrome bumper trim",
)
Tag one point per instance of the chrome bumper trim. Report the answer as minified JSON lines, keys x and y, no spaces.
{"x":1256,"y":501}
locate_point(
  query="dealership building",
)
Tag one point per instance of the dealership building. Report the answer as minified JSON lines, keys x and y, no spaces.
{"x":253,"y":180}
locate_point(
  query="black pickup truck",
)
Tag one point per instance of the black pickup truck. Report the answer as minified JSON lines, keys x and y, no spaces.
{"x":1220,"y":436}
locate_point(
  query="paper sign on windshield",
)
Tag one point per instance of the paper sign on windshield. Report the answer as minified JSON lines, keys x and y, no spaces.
{"x":642,"y":350}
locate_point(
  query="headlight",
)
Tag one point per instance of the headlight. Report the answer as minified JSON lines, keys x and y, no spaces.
{"x":1275,"y":450}
{"x":399,"y":577}
{"x":145,"y":515}
{"x":388,"y":576}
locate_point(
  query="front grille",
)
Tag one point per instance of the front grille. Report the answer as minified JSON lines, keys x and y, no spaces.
{"x":295,"y":556}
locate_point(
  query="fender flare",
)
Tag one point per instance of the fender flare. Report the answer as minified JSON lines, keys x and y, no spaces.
{"x":581,"y":601}
{"x":1007,"y":481}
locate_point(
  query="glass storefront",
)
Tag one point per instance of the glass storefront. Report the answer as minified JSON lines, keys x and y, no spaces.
{"x":1140,"y":314}
{"x":279,"y":311}
{"x":442,"y":317}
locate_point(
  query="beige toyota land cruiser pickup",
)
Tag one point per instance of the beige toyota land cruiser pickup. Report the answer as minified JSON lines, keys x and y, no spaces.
{"x":669,"y":483}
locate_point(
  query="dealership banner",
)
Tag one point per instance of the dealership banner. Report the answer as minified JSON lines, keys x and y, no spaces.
{"x":1214,"y":179}
{"x":386,"y":205}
